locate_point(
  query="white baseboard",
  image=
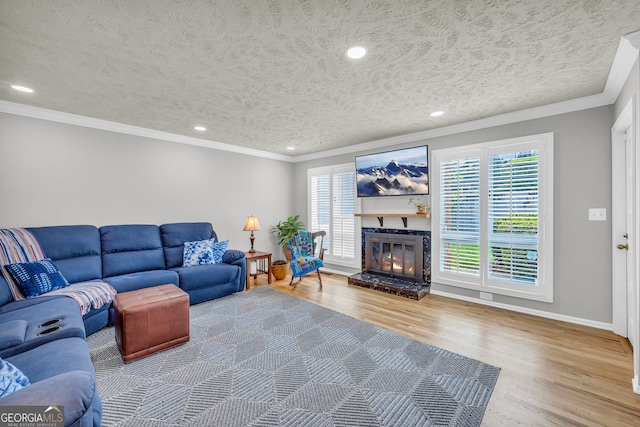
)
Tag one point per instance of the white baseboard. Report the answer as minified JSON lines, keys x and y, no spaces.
{"x":539,"y":313}
{"x":636,"y":384}
{"x":332,"y":271}
{"x":533,"y":312}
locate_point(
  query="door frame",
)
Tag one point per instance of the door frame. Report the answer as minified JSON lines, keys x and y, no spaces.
{"x":618,"y":219}
{"x":625,"y":120}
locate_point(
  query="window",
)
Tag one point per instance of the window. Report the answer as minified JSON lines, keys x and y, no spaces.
{"x":332,"y":205}
{"x":493,"y":217}
{"x":460,"y":211}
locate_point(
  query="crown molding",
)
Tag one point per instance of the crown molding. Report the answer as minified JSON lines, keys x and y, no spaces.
{"x":503,"y":119}
{"x":89,"y":122}
{"x":625,"y":57}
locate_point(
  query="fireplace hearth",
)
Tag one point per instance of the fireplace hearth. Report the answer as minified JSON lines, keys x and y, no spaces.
{"x":395,"y":261}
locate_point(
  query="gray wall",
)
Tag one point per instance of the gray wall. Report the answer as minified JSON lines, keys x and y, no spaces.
{"x":53,"y":173}
{"x":582,"y":168}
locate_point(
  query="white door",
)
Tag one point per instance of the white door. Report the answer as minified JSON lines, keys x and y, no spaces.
{"x":630,"y":227}
{"x":623,"y":228}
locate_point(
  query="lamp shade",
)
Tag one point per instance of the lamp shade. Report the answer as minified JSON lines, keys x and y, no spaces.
{"x":252,"y":224}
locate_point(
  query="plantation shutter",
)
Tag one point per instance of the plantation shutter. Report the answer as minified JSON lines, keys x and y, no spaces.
{"x":493,"y":217}
{"x":321,"y":206}
{"x":513,"y":216}
{"x":460,"y":216}
{"x":332,"y":207}
{"x":343,"y":224}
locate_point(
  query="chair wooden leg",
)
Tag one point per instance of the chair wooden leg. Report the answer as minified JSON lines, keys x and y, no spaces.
{"x":319,"y":277}
{"x":291,"y":282}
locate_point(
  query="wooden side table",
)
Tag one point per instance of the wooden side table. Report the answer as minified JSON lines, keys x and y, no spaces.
{"x":260,"y":258}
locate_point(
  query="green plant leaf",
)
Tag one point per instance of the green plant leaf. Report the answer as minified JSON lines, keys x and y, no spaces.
{"x":285,"y":229}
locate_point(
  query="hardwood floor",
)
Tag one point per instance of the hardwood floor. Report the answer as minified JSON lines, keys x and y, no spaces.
{"x":553,"y":373}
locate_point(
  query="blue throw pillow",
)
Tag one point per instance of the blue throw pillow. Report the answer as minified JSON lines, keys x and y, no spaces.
{"x":36,"y":278}
{"x":197,"y":253}
{"x":11,"y":378}
{"x":218,"y":251}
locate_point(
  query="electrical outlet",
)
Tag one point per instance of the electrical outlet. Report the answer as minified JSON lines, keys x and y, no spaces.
{"x":486,"y":295}
{"x":597,"y":214}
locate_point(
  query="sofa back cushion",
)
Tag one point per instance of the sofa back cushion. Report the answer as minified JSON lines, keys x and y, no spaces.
{"x":75,"y":249}
{"x":130,"y":249}
{"x":174,"y":235}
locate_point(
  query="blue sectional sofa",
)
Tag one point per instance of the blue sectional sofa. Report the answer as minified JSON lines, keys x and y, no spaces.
{"x":44,"y":337}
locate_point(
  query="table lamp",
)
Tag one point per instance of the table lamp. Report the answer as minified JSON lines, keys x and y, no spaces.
{"x":252,"y":225}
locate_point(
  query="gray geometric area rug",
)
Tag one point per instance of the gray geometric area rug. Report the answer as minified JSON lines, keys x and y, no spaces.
{"x":263,"y":358}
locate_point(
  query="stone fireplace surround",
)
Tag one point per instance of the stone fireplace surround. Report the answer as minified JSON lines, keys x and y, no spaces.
{"x":393,"y":285}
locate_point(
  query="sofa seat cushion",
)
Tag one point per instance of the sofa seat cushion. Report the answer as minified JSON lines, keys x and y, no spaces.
{"x":144,"y":279}
{"x":202,"y":276}
{"x":52,"y":320}
{"x":54,"y":358}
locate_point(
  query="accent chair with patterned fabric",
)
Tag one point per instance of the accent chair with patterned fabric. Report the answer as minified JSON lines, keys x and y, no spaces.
{"x":308,"y":254}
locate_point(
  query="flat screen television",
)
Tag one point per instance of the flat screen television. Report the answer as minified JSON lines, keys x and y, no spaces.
{"x":403,"y":172}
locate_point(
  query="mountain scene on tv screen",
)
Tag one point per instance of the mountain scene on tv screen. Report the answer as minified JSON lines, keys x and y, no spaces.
{"x":392,"y":179}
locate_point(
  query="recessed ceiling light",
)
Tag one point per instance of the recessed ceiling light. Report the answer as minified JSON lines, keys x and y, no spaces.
{"x":22,"y":88}
{"x":291,"y":148}
{"x":356,"y":52}
{"x":437,"y":113}
{"x":200,"y":128}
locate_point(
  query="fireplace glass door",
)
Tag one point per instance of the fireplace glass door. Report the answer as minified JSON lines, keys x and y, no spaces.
{"x":394,"y":255}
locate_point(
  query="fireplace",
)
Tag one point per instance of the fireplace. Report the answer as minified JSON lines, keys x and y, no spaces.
{"x":396,"y":261}
{"x":394,"y":255}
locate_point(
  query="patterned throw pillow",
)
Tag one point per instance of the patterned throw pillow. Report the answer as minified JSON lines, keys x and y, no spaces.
{"x":197,"y":253}
{"x":36,"y":278}
{"x":11,"y":378}
{"x":218,"y":251}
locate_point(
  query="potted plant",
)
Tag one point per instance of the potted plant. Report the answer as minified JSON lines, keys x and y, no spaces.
{"x":419,"y":204}
{"x":284,"y":230}
{"x":279,"y":269}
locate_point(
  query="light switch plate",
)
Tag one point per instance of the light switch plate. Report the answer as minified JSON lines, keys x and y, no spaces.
{"x":597,"y":214}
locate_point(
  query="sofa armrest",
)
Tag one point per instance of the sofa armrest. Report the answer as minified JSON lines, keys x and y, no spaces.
{"x":237,"y":258}
{"x":75,"y":390}
{"x":231,"y":256}
{"x":12,"y":333}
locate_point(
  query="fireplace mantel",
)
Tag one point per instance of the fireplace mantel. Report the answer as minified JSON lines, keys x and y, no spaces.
{"x":403,"y":216}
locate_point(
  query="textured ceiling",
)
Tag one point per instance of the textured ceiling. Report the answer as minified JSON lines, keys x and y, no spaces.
{"x":267,"y":74}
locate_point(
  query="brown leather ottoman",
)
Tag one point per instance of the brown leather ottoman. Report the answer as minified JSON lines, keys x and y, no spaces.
{"x":150,"y":320}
